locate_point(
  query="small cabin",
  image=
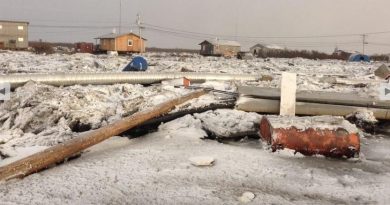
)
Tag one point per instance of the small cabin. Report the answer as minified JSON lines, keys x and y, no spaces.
{"x":220,"y":48}
{"x":263,"y":49}
{"x":128,"y":42}
{"x":84,"y":47}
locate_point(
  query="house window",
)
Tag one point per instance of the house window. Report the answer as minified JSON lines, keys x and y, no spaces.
{"x":20,"y":39}
{"x":129,"y":42}
{"x":20,"y":27}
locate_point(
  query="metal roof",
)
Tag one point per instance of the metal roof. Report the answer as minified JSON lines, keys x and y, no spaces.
{"x":115,"y":35}
{"x":222,"y":42}
{"x":8,"y":21}
{"x":269,"y":46}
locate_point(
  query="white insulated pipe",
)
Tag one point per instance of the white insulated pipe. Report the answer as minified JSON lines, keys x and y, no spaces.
{"x":66,"y":79}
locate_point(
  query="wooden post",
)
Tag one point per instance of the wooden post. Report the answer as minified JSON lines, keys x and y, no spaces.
{"x":288,"y":88}
{"x":60,"y":152}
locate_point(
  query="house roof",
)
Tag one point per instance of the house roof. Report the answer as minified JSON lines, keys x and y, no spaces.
{"x":116,"y":35}
{"x":276,"y":47}
{"x":222,"y":42}
{"x":8,"y":21}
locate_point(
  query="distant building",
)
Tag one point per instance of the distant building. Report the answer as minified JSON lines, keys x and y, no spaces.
{"x":262,"y":49}
{"x":341,"y":53}
{"x":128,"y":42}
{"x":219,"y":48}
{"x":13,"y":34}
{"x":83,"y":47}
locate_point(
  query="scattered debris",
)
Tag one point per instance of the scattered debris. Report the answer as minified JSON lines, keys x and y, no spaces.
{"x":184,"y":69}
{"x":246,"y":197}
{"x":112,"y":53}
{"x":363,"y":119}
{"x":201,"y":161}
{"x":383,"y":72}
{"x":152,"y":125}
{"x":229,"y":124}
{"x":3,"y":155}
{"x":179,"y":82}
{"x":244,"y":55}
{"x":266,"y":78}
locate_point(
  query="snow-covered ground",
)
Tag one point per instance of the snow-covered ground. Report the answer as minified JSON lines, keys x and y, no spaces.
{"x":155,"y":169}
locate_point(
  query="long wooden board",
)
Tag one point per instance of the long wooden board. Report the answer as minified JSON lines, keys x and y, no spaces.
{"x":335,"y":98}
{"x":305,"y":108}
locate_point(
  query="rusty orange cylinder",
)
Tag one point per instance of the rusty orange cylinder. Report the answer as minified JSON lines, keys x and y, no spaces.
{"x":330,"y":143}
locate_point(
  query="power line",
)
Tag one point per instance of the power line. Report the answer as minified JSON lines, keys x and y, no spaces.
{"x":267,"y":37}
{"x":74,"y":26}
{"x":378,"y":44}
{"x":209,"y":35}
{"x":244,"y":39}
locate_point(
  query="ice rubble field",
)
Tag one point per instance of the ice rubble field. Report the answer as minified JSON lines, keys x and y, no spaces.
{"x":155,"y":168}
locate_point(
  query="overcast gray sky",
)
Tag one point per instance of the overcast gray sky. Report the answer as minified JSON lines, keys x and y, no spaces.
{"x":183,"y":23}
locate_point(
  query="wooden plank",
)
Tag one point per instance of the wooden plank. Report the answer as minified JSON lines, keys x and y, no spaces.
{"x":323,"y":97}
{"x":288,"y":88}
{"x":60,"y":152}
{"x":305,"y":108}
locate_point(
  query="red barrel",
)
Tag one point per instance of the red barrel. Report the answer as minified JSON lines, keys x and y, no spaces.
{"x":330,"y":143}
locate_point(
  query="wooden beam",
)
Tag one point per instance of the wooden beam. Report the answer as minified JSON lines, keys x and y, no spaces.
{"x":60,"y":152}
{"x":334,"y":98}
{"x":305,"y":108}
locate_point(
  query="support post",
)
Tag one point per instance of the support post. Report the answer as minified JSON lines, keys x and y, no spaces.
{"x":288,"y":90}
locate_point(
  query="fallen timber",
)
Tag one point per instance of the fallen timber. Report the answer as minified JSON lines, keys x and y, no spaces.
{"x":152,"y":125}
{"x":321,"y":97}
{"x":267,"y":100}
{"x":61,"y":152}
{"x":305,"y":108}
{"x":332,"y":141}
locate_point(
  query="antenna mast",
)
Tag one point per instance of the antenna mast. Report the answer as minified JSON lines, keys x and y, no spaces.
{"x":139,"y":23}
{"x":364,"y":42}
{"x":120,"y":16}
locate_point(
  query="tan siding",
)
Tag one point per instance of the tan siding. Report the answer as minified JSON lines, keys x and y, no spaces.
{"x":107,"y":44}
{"x":226,"y":50}
{"x":10,"y":33}
{"x":121,"y":44}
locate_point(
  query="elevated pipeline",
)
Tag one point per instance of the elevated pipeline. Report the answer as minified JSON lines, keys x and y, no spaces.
{"x":66,"y":79}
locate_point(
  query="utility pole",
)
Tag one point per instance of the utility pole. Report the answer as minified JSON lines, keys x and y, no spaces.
{"x":120,"y":16}
{"x":364,"y":41}
{"x":139,"y":23}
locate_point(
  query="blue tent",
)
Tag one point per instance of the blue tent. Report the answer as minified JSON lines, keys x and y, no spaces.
{"x":358,"y":58}
{"x":137,"y":64}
